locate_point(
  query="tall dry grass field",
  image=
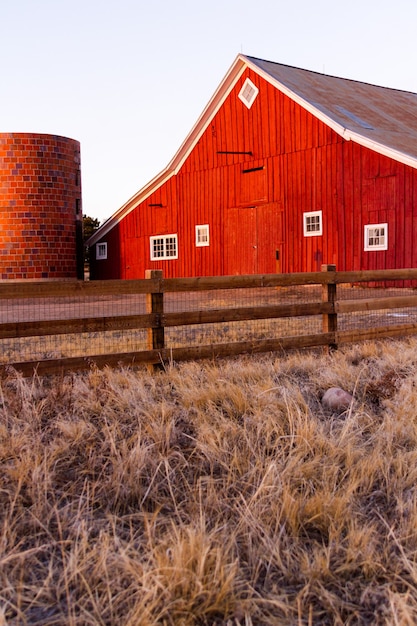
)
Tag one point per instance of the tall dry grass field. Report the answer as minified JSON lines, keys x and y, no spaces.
{"x":212,"y":493}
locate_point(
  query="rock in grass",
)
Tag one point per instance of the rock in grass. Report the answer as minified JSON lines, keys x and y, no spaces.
{"x":337,"y":399}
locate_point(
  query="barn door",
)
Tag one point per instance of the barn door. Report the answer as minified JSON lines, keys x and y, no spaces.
{"x":253,"y":236}
{"x":270,"y":238}
{"x":240,"y":241}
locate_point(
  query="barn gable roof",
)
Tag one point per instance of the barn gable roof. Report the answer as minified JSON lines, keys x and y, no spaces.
{"x":379,"y":118}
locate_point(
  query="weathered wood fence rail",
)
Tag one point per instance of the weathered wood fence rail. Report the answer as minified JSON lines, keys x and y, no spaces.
{"x":155,"y":318}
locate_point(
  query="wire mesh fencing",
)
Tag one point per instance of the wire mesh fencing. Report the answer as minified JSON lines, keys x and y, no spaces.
{"x":251,"y":300}
{"x":386,"y":315}
{"x":124,"y":321}
{"x":39,"y":322}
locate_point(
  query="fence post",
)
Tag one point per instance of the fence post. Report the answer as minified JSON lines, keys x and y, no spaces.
{"x":155,"y":305}
{"x":329,"y":295}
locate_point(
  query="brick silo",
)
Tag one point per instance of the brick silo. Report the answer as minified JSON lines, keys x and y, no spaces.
{"x":40,"y":207}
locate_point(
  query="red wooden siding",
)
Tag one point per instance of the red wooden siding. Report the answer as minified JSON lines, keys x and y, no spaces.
{"x":377,"y":190}
{"x":251,"y":176}
{"x":112,"y":267}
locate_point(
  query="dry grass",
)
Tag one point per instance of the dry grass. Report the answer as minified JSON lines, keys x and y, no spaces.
{"x":212,"y":493}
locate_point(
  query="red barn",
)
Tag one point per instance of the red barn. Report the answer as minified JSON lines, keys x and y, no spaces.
{"x":285,"y":169}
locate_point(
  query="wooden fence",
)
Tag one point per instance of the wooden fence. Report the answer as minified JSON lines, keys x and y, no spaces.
{"x":155,"y":319}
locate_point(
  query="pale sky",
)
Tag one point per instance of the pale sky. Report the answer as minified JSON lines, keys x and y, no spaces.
{"x":129,"y":78}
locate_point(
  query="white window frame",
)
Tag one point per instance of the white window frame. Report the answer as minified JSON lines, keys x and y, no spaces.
{"x":202,"y":235}
{"x":307,"y":223}
{"x":375,"y":240}
{"x":165,"y":243}
{"x":101,"y":251}
{"x":248,"y":93}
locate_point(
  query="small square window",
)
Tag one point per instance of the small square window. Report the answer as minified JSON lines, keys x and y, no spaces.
{"x":248,"y":93}
{"x":164,"y":247}
{"x":376,"y":236}
{"x":313,"y":224}
{"x":202,"y":235}
{"x":101,"y":250}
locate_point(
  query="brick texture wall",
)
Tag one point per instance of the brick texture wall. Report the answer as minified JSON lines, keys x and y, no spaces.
{"x":40,"y":207}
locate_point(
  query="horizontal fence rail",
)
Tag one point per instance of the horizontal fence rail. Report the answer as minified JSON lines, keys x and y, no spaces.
{"x":49,"y":327}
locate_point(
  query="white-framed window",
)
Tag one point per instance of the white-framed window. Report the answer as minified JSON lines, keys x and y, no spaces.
{"x":164,"y":247}
{"x":101,"y":250}
{"x":202,"y":235}
{"x":313,"y":223}
{"x":376,"y":236}
{"x":248,"y":93}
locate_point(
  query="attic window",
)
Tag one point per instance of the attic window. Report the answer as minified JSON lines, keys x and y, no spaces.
{"x":248,"y":93}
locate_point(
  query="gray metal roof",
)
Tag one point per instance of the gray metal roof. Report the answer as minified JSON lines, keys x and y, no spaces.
{"x":382,"y":115}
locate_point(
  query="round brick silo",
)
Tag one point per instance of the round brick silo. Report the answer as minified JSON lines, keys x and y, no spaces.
{"x":40,"y":207}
